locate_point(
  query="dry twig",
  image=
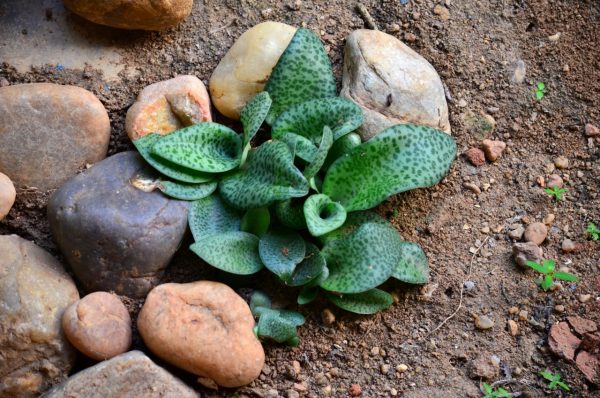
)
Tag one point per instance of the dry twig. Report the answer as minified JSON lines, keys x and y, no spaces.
{"x":364,"y":13}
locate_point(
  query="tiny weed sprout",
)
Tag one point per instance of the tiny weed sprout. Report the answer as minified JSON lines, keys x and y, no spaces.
{"x":490,"y":392}
{"x":555,"y":381}
{"x":549,"y":274}
{"x":593,"y":231}
{"x":556,"y":192}
{"x":540,"y":91}
{"x":297,"y":204}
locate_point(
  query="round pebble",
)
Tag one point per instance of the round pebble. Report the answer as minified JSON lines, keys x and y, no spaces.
{"x":483,"y":322}
{"x":536,"y":233}
{"x":7,"y":195}
{"x":327,"y":317}
{"x":98,"y":325}
{"x":561,"y":162}
{"x":568,"y":246}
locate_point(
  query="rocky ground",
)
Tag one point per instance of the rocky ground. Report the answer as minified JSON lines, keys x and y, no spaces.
{"x":481,"y":316}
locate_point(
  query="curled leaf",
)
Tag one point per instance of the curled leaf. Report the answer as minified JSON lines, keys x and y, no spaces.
{"x":301,"y":147}
{"x":341,"y":147}
{"x":323,"y":215}
{"x":252,"y":117}
{"x":233,"y":252}
{"x":290,"y":213}
{"x":279,"y":325}
{"x":280,"y":250}
{"x":326,"y":141}
{"x":259,"y":300}
{"x":310,"y":268}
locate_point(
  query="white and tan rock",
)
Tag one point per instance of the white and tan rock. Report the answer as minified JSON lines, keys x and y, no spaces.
{"x":391,"y":83}
{"x":245,"y":69}
{"x":132,"y":14}
{"x":168,"y":105}
{"x":34,"y":292}
{"x":205,"y":328}
{"x":7,"y":195}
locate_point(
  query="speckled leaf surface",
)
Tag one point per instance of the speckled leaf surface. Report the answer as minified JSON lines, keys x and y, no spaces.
{"x":323,"y":215}
{"x":341,"y":147}
{"x":256,"y":221}
{"x":307,"y":295}
{"x":301,"y":147}
{"x":208,"y":147}
{"x":290,"y":213}
{"x":280,"y":250}
{"x":184,"y":191}
{"x":259,"y":300}
{"x":413,"y":266}
{"x":353,"y":221}
{"x":302,"y":73}
{"x":271,"y":176}
{"x":274,"y":325}
{"x":368,"y":302}
{"x":210,"y":215}
{"x":400,"y":158}
{"x":173,"y":170}
{"x":312,"y":265}
{"x":361,"y":260}
{"x":233,"y":252}
{"x":326,"y":141}
{"x":308,"y":118}
{"x":252,"y":117}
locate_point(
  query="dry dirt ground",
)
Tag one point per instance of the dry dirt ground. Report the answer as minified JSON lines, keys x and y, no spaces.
{"x":477,"y":52}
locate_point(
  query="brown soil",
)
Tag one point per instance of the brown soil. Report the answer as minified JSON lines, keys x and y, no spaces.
{"x":475,"y":52}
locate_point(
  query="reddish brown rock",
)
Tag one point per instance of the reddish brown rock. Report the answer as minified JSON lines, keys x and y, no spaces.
{"x":591,"y":130}
{"x":493,"y":149}
{"x":475,"y":156}
{"x":98,"y":325}
{"x":205,"y":328}
{"x":554,"y":181}
{"x":589,"y":365}
{"x":485,"y":366}
{"x":536,"y":233}
{"x":355,"y":390}
{"x":590,"y":342}
{"x":7,"y":195}
{"x":562,"y":342}
{"x":169,"y":105}
{"x":581,"y":325}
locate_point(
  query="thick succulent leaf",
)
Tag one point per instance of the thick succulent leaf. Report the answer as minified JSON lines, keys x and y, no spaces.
{"x":280,"y":250}
{"x":259,"y":300}
{"x":303,"y":72}
{"x":368,"y":302}
{"x":323,"y":215}
{"x":252,"y":117}
{"x":362,"y":260}
{"x":208,"y":147}
{"x":308,"y":118}
{"x":210,"y":215}
{"x":413,"y":266}
{"x":185,"y":191}
{"x":341,"y":147}
{"x":309,"y":268}
{"x":296,"y":318}
{"x":307,"y":295}
{"x":256,"y":221}
{"x":400,"y":158}
{"x":353,"y":221}
{"x":144,"y":146}
{"x":271,"y":176}
{"x":273,"y":326}
{"x":301,"y":147}
{"x":326,"y":141}
{"x":233,"y":252}
{"x":290,"y":213}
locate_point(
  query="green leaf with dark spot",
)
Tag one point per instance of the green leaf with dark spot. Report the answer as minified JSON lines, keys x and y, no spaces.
{"x":341,"y":147}
{"x":361,"y":260}
{"x":280,"y":250}
{"x":307,"y":295}
{"x":273,"y":325}
{"x":208,"y":147}
{"x":144,"y":146}
{"x":308,"y":118}
{"x":368,"y":302}
{"x":233,"y":252}
{"x":353,"y":221}
{"x":323,"y":215}
{"x":326,"y":141}
{"x":290,"y":213}
{"x":302,"y":73}
{"x":271,"y":176}
{"x":400,"y":158}
{"x":302,"y":147}
{"x":209,"y":216}
{"x":185,"y":191}
{"x":413,"y":266}
{"x":252,"y":117}
{"x":256,"y":221}
{"x":312,"y":265}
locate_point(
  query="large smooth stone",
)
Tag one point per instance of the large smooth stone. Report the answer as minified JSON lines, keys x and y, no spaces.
{"x":48,"y":132}
{"x":205,"y":328}
{"x":114,"y":236}
{"x":167,"y":106}
{"x":245,"y":69}
{"x":391,"y":83}
{"x":129,"y":375}
{"x":34,"y":292}
{"x":8,"y":195}
{"x":132,"y":14}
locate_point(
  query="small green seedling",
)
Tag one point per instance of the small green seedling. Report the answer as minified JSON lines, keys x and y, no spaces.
{"x":493,"y":393}
{"x":554,"y":380}
{"x":549,"y":274}
{"x":556,"y":192}
{"x":593,"y":231}
{"x":540,"y":91}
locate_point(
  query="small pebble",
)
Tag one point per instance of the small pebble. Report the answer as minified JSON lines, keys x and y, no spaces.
{"x":493,"y":149}
{"x":483,"y":322}
{"x":401,"y":368}
{"x":591,"y":130}
{"x":549,"y":168}
{"x":554,"y":37}
{"x":410,"y":37}
{"x":541,"y":181}
{"x":568,"y":246}
{"x":393,"y":392}
{"x":469,"y":285}
{"x":523,"y":315}
{"x":354,"y":390}
{"x":475,"y":156}
{"x":375,"y":351}
{"x":536,"y":233}
{"x":559,"y":308}
{"x":442,"y":12}
{"x":296,"y":366}
{"x":554,"y":181}
{"x":293,"y":394}
{"x":385,"y":368}
{"x":513,"y":310}
{"x":327,"y":317}
{"x":472,"y":187}
{"x":513,"y":328}
{"x":549,"y":219}
{"x":561,"y":162}
{"x":517,"y":232}
{"x":7,"y":195}
{"x":584,"y":298}
{"x":462,"y":103}
{"x":393,"y":28}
